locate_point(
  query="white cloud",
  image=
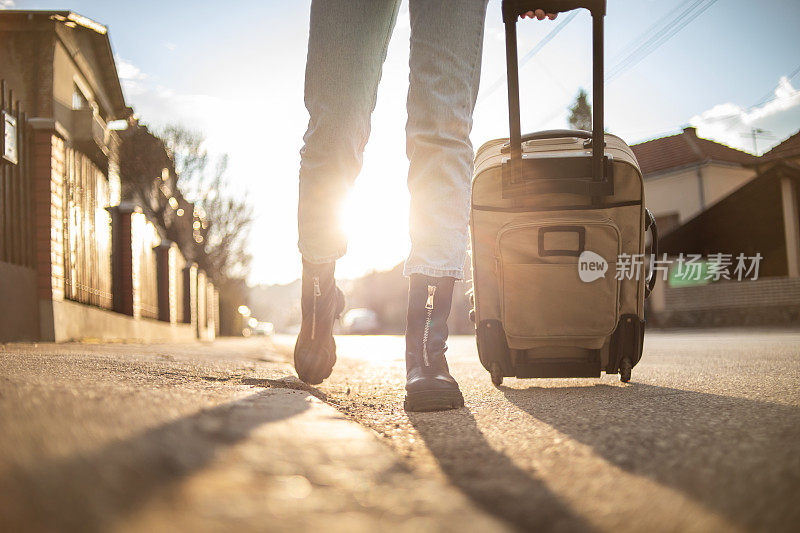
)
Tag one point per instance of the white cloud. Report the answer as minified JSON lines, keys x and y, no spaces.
{"x":731,"y":124}
{"x":128,"y":71}
{"x":131,"y":77}
{"x":7,"y":4}
{"x":157,"y":104}
{"x":170,"y":46}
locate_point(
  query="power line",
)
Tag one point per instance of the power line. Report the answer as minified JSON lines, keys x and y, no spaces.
{"x":500,"y":81}
{"x":651,"y":35}
{"x":755,"y":134}
{"x":547,"y":38}
{"x":769,"y":97}
{"x":650,"y":31}
{"x":655,"y":36}
{"x":659,"y":33}
{"x":676,"y":24}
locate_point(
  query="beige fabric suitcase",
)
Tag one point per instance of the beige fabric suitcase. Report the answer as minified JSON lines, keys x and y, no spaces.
{"x":551,"y":216}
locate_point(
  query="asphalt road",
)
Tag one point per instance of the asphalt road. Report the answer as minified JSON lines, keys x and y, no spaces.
{"x":706,"y":437}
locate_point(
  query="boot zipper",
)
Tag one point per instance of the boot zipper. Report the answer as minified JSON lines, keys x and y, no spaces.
{"x":426,"y":332}
{"x":317,"y":293}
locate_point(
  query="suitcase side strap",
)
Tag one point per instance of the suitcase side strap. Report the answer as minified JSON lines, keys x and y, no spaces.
{"x":650,"y":224}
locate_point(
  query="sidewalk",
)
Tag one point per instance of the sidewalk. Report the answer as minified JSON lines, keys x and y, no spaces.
{"x":196,"y":437}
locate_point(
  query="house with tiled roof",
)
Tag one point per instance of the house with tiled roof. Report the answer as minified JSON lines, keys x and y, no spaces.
{"x":685,"y":174}
{"x":758,"y":217}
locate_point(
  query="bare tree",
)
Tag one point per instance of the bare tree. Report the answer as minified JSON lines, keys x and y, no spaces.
{"x":148,"y":174}
{"x":224,"y":217}
{"x":190,"y":158}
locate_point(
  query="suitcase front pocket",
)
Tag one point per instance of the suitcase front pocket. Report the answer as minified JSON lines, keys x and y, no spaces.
{"x":543,"y":294}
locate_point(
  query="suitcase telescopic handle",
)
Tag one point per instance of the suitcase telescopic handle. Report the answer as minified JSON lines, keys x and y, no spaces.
{"x":512,"y":9}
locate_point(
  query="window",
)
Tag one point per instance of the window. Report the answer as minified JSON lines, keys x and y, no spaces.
{"x":79,"y":100}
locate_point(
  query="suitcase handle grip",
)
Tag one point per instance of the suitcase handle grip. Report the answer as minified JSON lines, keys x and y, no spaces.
{"x":514,"y":8}
{"x":550,"y":134}
{"x":650,"y":224}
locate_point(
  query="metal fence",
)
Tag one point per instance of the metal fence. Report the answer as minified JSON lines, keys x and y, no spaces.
{"x":763,"y":302}
{"x":16,"y":190}
{"x":89,"y":238}
{"x":145,"y":238}
{"x":766,"y":292}
{"x":87,"y":232}
{"x":177,"y":271}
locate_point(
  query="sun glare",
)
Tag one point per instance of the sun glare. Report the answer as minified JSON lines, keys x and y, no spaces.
{"x":375,"y":219}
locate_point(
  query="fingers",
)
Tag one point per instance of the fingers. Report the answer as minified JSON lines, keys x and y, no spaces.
{"x":539,"y":14}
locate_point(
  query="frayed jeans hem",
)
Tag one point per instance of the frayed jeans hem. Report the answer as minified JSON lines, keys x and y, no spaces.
{"x":457,"y":273}
{"x":316,"y":260}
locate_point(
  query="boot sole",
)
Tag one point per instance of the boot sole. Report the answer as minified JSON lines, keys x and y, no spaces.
{"x":436,"y":400}
{"x":315,"y":366}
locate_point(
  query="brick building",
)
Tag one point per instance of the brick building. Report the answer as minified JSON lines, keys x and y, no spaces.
{"x":686,"y":174}
{"x":96,"y":267}
{"x":711,"y":199}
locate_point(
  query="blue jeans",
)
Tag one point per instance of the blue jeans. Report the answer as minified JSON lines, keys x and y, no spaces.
{"x":346,"y":50}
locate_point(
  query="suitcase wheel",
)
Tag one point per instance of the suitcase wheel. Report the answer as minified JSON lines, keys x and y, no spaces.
{"x":625,"y":370}
{"x":493,"y":350}
{"x":497,"y":375}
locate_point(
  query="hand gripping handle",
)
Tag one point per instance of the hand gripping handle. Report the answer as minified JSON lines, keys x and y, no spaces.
{"x":515,"y":8}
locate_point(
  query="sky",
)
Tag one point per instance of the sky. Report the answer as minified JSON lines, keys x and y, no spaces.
{"x":236,"y":73}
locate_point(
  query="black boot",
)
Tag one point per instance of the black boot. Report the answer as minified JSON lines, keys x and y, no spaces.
{"x":321,"y":302}
{"x":429,"y":385}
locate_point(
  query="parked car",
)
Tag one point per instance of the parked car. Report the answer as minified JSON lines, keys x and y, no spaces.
{"x":264,"y":329}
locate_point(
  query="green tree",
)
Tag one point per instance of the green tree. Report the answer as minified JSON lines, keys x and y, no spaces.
{"x":580,"y":113}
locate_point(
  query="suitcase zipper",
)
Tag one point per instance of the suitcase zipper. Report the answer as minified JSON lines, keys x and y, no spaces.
{"x":427,"y":330}
{"x":317,"y":293}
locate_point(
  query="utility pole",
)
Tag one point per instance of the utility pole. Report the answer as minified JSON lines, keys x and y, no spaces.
{"x":755,"y":134}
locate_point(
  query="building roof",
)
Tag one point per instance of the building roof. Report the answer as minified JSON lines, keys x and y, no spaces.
{"x":685,"y":149}
{"x":728,"y":226}
{"x":100,"y":42}
{"x":788,"y":148}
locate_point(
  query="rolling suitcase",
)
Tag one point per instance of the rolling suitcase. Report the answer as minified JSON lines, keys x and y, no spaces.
{"x":557,"y":228}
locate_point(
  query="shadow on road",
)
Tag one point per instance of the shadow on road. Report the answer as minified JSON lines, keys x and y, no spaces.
{"x":89,"y":492}
{"x":489,"y":477}
{"x":738,"y":457}
{"x":288,"y":382}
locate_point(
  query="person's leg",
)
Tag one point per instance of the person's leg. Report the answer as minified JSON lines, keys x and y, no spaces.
{"x":445,"y":60}
{"x":446,"y":48}
{"x":346,"y":49}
